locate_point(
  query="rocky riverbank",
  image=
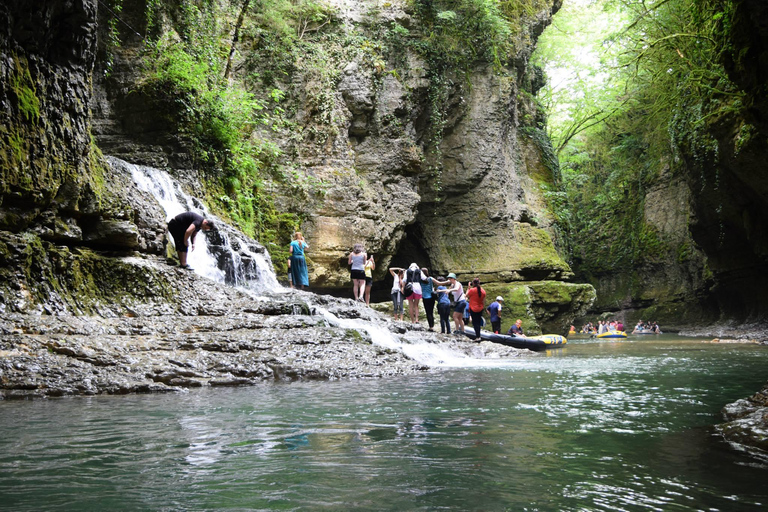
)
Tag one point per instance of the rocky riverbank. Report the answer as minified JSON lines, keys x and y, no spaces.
{"x":746,"y":420}
{"x":756,"y":333}
{"x":214,"y":335}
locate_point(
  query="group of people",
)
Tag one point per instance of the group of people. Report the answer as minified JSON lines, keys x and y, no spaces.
{"x":413,"y":284}
{"x":603,"y":326}
{"x":652,"y":327}
{"x":361,"y":266}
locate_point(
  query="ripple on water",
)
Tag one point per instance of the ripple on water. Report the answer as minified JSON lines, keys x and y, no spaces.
{"x":590,"y":429}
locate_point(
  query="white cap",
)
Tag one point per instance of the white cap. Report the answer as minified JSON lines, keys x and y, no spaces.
{"x":500,"y":298}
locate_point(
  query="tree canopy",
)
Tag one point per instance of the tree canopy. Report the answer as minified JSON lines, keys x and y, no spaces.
{"x":630,"y":82}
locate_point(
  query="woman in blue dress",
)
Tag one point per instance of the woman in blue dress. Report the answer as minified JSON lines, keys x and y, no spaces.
{"x":298,"y":265}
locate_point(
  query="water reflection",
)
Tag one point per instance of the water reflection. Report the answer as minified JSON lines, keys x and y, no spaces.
{"x":601,"y":428}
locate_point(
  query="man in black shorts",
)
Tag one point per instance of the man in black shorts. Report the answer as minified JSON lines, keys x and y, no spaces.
{"x":184,"y":228}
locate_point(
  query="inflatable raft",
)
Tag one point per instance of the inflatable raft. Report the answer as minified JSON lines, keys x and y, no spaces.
{"x":645,"y":331}
{"x":612,"y":334}
{"x":536,"y":343}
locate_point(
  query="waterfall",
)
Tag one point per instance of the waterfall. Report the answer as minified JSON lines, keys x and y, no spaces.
{"x":227,"y":256}
{"x":223,"y":255}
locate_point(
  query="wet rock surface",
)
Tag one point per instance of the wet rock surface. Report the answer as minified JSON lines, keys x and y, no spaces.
{"x":747,"y":421}
{"x":208,"y":335}
{"x":743,"y":333}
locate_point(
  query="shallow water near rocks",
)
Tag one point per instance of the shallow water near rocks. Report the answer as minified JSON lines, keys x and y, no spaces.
{"x":621,"y":425}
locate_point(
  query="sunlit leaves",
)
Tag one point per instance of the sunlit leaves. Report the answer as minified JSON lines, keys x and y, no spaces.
{"x":623,"y":98}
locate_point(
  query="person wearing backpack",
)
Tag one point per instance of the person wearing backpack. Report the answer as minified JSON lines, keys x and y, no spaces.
{"x":443,"y":307}
{"x":413,"y":277}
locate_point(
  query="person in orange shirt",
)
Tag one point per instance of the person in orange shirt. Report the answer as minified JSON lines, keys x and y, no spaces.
{"x":476,"y":298}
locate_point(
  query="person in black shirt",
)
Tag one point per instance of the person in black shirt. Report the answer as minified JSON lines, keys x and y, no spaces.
{"x":184,"y":228}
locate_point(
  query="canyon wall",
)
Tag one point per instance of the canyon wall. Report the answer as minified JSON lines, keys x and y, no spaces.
{"x":468,"y":200}
{"x":704,"y":262}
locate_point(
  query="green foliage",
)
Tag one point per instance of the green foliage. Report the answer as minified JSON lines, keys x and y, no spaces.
{"x":581,"y":91}
{"x":114,"y":7}
{"x":746,"y":135}
{"x":218,"y":118}
{"x":647,"y":87}
{"x":184,"y":71}
{"x":18,"y":146}
{"x":459,"y":32}
{"x":671,"y":55}
{"x":604,"y":185}
{"x":277,"y":28}
{"x":609,"y":57}
{"x":454,"y":36}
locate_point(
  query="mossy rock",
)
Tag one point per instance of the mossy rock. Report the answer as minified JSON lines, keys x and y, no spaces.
{"x":530,"y":255}
{"x":39,"y":275}
{"x":543,"y":306}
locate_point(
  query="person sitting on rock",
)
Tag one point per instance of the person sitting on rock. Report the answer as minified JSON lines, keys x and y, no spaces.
{"x":517,"y":329}
{"x":183,"y":229}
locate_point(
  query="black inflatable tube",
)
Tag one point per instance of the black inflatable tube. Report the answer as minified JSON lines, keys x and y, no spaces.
{"x":513,"y":341}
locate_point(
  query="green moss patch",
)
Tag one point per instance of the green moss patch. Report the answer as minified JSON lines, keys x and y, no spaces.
{"x":37,"y":274}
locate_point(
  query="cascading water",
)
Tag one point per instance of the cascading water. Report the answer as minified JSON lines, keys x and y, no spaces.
{"x":223,"y":255}
{"x":226,"y":256}
{"x":430,"y":354}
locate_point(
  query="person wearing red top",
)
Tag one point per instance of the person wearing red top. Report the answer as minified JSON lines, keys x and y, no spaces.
{"x":476,"y":297}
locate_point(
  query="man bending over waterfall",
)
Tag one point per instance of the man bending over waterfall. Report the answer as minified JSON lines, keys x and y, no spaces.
{"x":184,"y":228}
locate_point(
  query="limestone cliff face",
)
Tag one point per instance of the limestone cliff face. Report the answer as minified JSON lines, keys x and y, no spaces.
{"x":671,"y":287}
{"x":468,"y":200}
{"x":68,"y":219}
{"x":48,"y":52}
{"x":59,"y":201}
{"x":729,"y":182}
{"x":470,"y":215}
{"x":471,"y":204}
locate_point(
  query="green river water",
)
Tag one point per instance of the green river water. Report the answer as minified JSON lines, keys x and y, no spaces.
{"x":595,"y":426}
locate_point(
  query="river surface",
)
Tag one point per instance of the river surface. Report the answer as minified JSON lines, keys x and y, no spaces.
{"x":594,"y":426}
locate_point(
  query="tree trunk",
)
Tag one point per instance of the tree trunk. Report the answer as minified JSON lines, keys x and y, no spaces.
{"x":228,"y":69}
